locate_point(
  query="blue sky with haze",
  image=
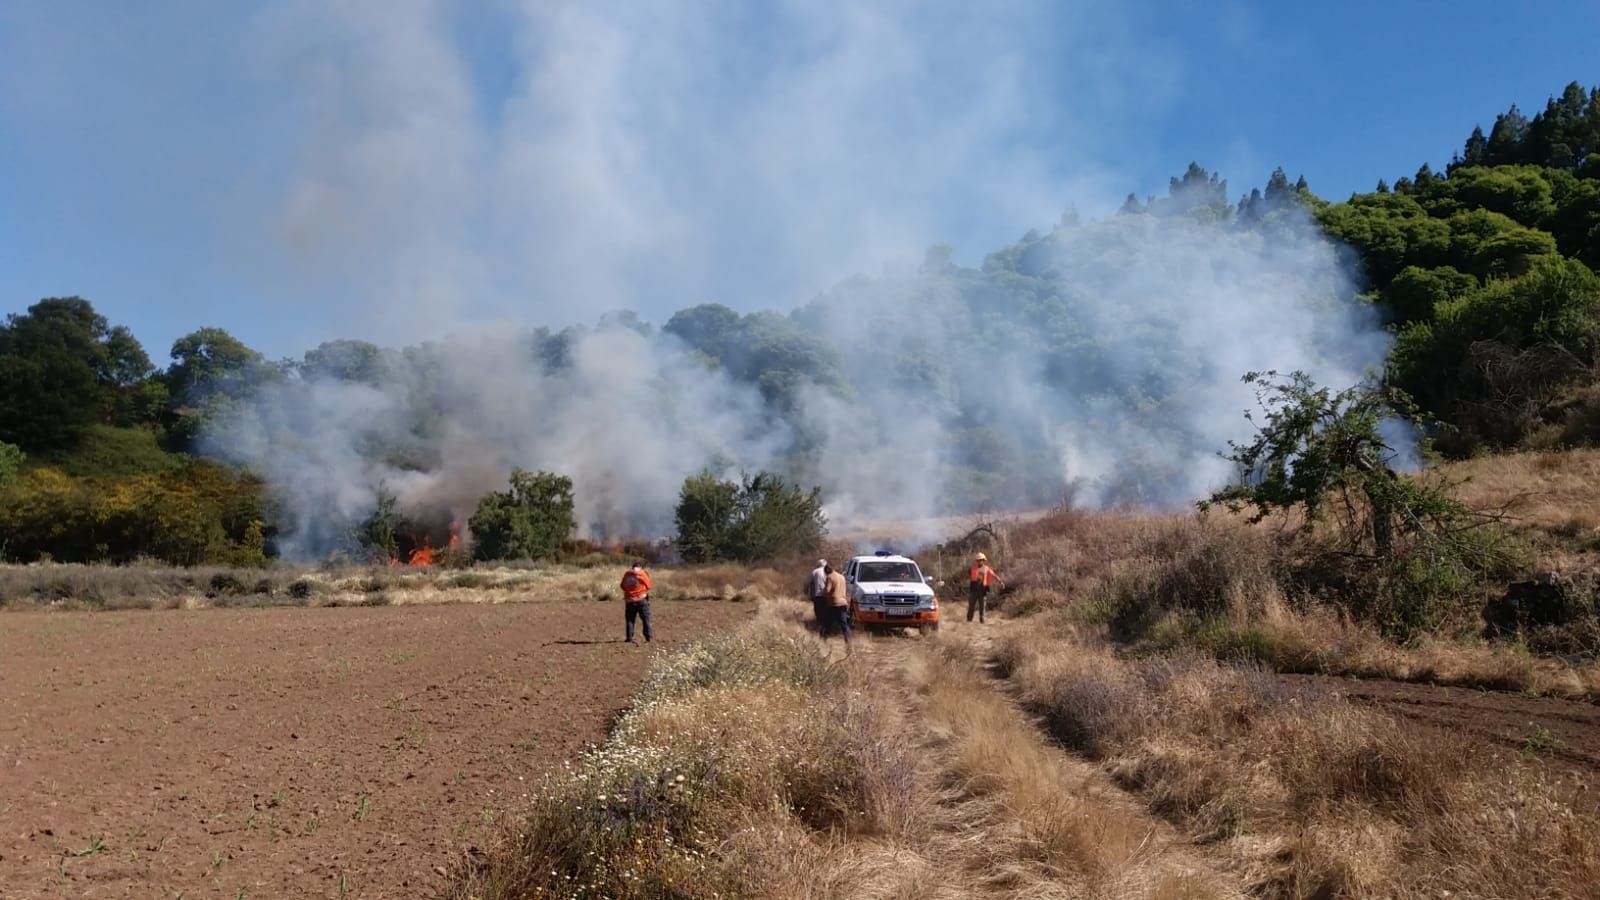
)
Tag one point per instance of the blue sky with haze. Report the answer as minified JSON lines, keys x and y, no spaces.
{"x":300,"y":171}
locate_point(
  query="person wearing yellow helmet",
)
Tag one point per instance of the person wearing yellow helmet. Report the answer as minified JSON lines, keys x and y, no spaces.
{"x":980,"y":580}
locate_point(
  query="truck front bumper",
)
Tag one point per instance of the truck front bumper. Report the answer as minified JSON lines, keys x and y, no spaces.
{"x":904,"y":620}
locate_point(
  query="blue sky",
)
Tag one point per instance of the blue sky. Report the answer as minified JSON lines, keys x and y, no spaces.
{"x":299,"y":171}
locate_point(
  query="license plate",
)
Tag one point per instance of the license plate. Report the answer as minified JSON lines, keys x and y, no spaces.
{"x":901,"y":612}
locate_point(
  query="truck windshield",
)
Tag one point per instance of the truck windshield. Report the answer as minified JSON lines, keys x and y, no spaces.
{"x":887,"y":571}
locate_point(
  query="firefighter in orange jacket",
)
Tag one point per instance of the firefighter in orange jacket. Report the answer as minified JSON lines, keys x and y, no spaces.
{"x":636,"y":600}
{"x":980,"y":580}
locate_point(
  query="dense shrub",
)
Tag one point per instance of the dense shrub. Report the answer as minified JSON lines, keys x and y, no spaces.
{"x":106,"y":451}
{"x":201,"y":513}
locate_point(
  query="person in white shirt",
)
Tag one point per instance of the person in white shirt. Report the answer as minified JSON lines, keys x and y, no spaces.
{"x":817,"y":587}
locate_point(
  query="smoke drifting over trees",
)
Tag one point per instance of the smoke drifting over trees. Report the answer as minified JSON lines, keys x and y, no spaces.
{"x":619,"y":167}
{"x":1102,"y":358}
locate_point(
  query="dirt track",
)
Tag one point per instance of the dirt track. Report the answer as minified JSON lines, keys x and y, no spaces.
{"x":1563,"y":732}
{"x":293,"y":752}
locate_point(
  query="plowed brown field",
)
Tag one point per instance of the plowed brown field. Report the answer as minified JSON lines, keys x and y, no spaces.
{"x":1563,"y":733}
{"x":264,"y":753}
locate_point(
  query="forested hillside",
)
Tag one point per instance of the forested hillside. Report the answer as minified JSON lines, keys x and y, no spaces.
{"x":1487,"y":272}
{"x":1475,"y":289}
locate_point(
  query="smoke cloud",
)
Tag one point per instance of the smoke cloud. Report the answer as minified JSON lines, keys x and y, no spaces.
{"x":455,"y":180}
{"x":1099,"y":362}
{"x":547,"y":161}
{"x":439,"y":425}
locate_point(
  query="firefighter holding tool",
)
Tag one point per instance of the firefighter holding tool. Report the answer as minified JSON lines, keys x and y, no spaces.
{"x":982,"y":578}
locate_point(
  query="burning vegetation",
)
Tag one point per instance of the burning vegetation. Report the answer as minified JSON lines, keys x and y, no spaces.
{"x":419,"y":549}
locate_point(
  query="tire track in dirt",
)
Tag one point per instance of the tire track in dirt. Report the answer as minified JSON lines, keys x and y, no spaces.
{"x":1139,"y":854}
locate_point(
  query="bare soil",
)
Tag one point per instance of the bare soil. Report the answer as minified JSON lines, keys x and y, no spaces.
{"x":1563,"y":733}
{"x":332,"y":752}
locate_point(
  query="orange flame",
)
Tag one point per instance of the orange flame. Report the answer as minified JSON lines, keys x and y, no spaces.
{"x":424,"y":555}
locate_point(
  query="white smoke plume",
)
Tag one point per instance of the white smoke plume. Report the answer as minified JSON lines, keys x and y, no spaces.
{"x":442,"y":424}
{"x":654,"y":155}
{"x":1115,"y":348}
{"x":1101,"y":360}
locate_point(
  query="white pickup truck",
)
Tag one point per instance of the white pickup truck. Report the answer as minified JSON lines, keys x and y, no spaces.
{"x":888,"y":591}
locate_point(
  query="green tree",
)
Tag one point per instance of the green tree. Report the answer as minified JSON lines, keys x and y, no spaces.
{"x":1388,"y":233}
{"x":378,"y":534}
{"x":1505,"y":138}
{"x":1416,"y":292}
{"x":1279,"y":192}
{"x":705,"y":513}
{"x":1476,"y":151}
{"x":776,"y":517}
{"x":11,"y":461}
{"x":760,"y":518}
{"x":1419,"y":555}
{"x":1472,"y":357}
{"x":65,"y":368}
{"x":1197,"y":193}
{"x":709,"y":328}
{"x":527,"y":522}
{"x":211,"y":372}
{"x":1556,"y":302}
{"x":1522,"y":193}
{"x":1312,"y":445}
{"x":346,"y":360}
{"x":211,"y":361}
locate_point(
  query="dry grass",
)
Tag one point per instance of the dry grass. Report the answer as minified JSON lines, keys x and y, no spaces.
{"x":757,"y":766}
{"x":1056,"y":828}
{"x":728,"y":581}
{"x":1555,"y":491}
{"x":76,"y":586}
{"x":1167,"y":583}
{"x":1551,"y":499}
{"x":1311,"y":796}
{"x":742,"y":768}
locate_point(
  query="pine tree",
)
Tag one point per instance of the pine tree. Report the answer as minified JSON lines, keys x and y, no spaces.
{"x":1278,"y":191}
{"x":1251,"y":208}
{"x":1505,"y":138}
{"x":1476,"y":150}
